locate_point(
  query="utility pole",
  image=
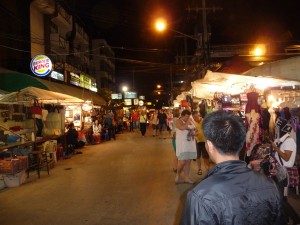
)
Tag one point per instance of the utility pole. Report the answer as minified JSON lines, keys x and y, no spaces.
{"x":205,"y":35}
{"x":171,"y":85}
{"x":133,"y":79}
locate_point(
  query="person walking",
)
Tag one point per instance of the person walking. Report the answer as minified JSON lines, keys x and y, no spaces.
{"x":200,"y":140}
{"x":185,"y":145}
{"x":153,"y":121}
{"x":162,"y":124}
{"x":176,"y":115}
{"x":143,"y":123}
{"x":231,"y":193}
{"x":135,"y":120}
{"x":169,"y":122}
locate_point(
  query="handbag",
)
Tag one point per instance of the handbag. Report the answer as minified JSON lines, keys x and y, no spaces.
{"x":281,"y":172}
{"x":272,"y":168}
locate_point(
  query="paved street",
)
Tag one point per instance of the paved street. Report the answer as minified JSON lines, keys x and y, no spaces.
{"x":127,"y":181}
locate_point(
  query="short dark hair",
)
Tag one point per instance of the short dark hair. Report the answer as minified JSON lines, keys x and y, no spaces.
{"x":185,"y":112}
{"x":226,"y":131}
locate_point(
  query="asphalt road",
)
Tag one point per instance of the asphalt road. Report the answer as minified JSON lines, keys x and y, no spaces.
{"x":127,"y":181}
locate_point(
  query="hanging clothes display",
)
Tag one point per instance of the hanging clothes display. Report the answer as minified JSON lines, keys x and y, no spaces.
{"x":252,"y":121}
{"x":252,"y":135}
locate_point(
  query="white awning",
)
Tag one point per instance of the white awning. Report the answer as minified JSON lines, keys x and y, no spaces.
{"x":288,"y":69}
{"x":29,"y":94}
{"x":234,"y":84}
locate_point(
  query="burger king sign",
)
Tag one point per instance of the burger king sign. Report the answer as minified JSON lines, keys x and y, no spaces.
{"x":41,"y":65}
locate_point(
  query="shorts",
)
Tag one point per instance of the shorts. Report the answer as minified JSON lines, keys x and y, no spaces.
{"x":201,"y":150}
{"x":161,"y":126}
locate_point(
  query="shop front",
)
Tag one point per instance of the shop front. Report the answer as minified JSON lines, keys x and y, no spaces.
{"x":31,"y":129}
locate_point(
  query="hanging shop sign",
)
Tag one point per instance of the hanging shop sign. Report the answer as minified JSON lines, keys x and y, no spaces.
{"x":116,"y":96}
{"x":128,"y":102}
{"x":129,"y":94}
{"x":85,"y":81}
{"x":41,"y":65}
{"x":135,"y":101}
{"x":57,"y":76}
{"x":87,"y":107}
{"x":75,"y":79}
{"x":141,"y":102}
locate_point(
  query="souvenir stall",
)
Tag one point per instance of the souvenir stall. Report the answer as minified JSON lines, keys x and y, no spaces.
{"x":30,"y":118}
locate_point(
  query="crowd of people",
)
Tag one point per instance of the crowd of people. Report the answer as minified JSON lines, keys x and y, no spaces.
{"x":232,"y":191}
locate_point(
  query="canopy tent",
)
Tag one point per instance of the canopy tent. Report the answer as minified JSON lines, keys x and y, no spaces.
{"x":74,"y":91}
{"x":13,"y":81}
{"x":288,"y":69}
{"x":3,"y":92}
{"x":29,"y":94}
{"x":234,"y":84}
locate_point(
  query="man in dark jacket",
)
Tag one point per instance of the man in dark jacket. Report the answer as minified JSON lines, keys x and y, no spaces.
{"x":231,"y":193}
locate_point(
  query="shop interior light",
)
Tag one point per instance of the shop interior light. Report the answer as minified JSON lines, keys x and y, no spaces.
{"x":271,"y":98}
{"x":259,"y":50}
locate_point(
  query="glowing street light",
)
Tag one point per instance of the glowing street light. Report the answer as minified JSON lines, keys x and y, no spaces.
{"x":124,"y":88}
{"x":158,"y":86}
{"x":160,"y":24}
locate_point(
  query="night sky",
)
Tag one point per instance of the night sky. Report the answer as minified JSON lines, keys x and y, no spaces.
{"x":126,"y":26}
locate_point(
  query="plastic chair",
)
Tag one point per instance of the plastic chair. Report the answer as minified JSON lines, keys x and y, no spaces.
{"x":50,"y":149}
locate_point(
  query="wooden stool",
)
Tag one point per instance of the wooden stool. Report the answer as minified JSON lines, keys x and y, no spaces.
{"x":38,"y":160}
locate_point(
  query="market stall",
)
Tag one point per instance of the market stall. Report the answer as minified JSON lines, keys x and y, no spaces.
{"x":252,"y":97}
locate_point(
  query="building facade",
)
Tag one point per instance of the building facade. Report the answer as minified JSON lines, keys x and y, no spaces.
{"x":52,"y":28}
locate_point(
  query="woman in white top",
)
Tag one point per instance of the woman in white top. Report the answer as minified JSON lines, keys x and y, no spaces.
{"x":284,"y":145}
{"x":97,"y":128}
{"x":185,"y":145}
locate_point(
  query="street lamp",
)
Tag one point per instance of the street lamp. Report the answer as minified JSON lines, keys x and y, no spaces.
{"x":161,"y":25}
{"x":124,"y":88}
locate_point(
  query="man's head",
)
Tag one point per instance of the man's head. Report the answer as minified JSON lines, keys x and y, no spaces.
{"x":185,"y":115}
{"x":225,"y":132}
